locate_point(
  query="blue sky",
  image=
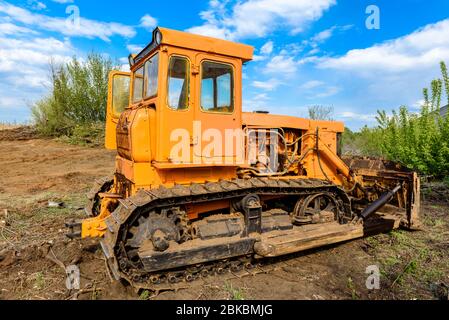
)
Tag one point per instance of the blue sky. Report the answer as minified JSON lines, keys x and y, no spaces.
{"x":307,"y":52}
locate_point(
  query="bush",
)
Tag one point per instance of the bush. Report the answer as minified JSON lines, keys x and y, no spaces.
{"x":446,"y":181}
{"x":419,"y":140}
{"x":78,"y":97}
{"x":363,"y":143}
{"x":91,"y":134}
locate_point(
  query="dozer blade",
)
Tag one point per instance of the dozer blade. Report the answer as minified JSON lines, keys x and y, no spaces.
{"x":388,"y":174}
{"x":308,"y":237}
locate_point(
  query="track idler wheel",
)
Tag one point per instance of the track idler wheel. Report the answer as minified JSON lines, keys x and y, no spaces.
{"x":317,"y":208}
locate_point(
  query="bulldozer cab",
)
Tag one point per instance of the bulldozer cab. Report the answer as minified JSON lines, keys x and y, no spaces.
{"x":191,"y":87}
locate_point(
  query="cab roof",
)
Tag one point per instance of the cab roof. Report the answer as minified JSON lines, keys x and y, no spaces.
{"x":198,"y":43}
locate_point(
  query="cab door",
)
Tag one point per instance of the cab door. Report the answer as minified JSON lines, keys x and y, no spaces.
{"x":218,"y":112}
{"x":118,"y":101}
{"x":177,"y":108}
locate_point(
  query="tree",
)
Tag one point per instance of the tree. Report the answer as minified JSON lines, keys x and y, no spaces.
{"x":318,"y":112}
{"x":78,"y":96}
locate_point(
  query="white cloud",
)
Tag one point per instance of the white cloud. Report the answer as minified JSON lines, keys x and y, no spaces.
{"x":257,"y":18}
{"x":12,"y":29}
{"x":327,"y":91}
{"x":257,"y":58}
{"x":7,"y":102}
{"x":312,"y":84}
{"x":134,"y":48}
{"x":124,"y":64}
{"x":418,"y":104}
{"x":421,"y":49}
{"x":323,"y":35}
{"x":63,"y":1}
{"x":261,"y":96}
{"x":282,"y":65}
{"x":148,"y":22}
{"x":86,"y":27}
{"x":392,"y":73}
{"x":213,"y":31}
{"x":24,"y":71}
{"x":267,"y":85}
{"x":316,"y":89}
{"x":265,"y":52}
{"x":256,"y":102}
{"x":267,"y":48}
{"x":349,"y":115}
{"x":124,"y":67}
{"x":33,"y":56}
{"x":37,"y":5}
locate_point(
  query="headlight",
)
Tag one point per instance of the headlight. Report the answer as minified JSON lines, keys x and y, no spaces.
{"x":158,"y":36}
{"x":131,"y":60}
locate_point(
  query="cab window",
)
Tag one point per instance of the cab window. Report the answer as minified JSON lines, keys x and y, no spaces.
{"x":151,"y":76}
{"x":178,"y":83}
{"x":138,"y":85}
{"x":120,"y":94}
{"x":217,"y":87}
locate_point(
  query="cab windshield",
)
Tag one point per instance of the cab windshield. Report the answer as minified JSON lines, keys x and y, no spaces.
{"x":145,"y":83}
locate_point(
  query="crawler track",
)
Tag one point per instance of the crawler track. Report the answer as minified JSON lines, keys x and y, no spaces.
{"x":131,"y":209}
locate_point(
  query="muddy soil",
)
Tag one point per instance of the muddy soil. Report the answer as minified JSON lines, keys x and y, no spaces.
{"x":34,"y":251}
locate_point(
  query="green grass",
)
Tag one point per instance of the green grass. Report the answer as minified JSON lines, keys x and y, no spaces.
{"x":352,"y":289}
{"x":234,"y":293}
{"x":410,"y":268}
{"x":39,"y":282}
{"x":411,"y":262}
{"x":144,"y":295}
{"x":391,"y":261}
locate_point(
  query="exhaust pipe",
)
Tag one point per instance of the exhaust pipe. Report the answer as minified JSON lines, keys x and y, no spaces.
{"x":379,"y":203}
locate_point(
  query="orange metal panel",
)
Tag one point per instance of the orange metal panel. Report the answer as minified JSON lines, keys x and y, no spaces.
{"x":279,"y":121}
{"x":206,"y":44}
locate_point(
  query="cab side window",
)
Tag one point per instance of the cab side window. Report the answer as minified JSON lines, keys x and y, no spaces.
{"x":138,"y":85}
{"x":217,"y":87}
{"x":178,"y":83}
{"x":120,"y":94}
{"x":151,"y":74}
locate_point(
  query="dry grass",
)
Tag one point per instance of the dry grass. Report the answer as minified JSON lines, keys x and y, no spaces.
{"x":29,"y":221}
{"x":7,"y":125}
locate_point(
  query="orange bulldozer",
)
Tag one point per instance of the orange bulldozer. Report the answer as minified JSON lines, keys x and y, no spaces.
{"x":201,"y":187}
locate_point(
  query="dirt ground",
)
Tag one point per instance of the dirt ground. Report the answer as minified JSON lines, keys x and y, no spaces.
{"x":34,"y":250}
